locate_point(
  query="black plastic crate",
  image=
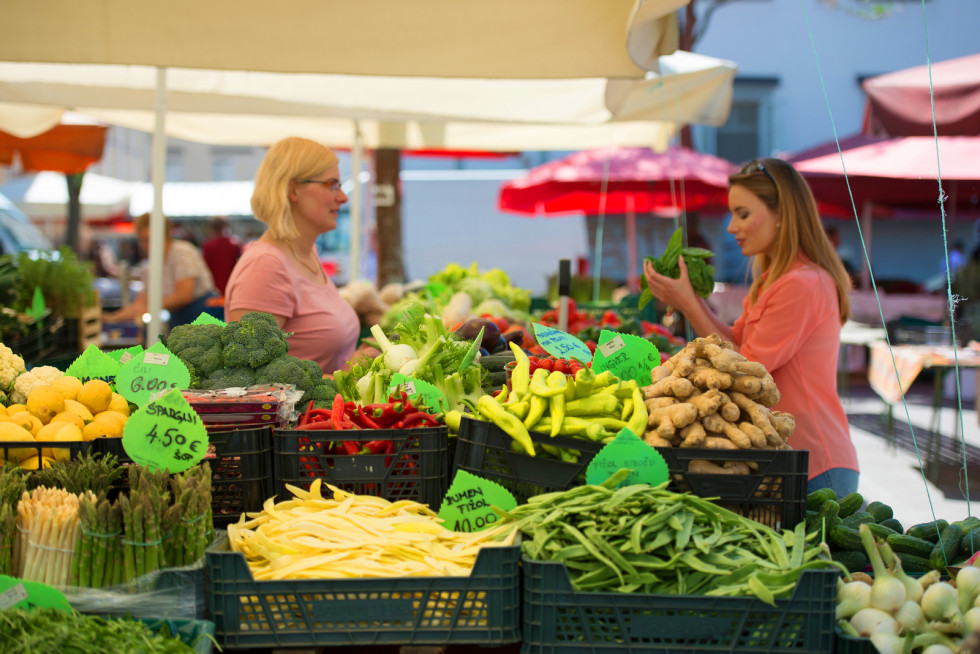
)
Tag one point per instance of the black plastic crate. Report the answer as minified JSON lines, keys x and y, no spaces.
{"x":482,"y":609}
{"x":559,"y":620}
{"x":21,"y":450}
{"x":40,"y":340}
{"x":853,"y":645}
{"x":774,"y":494}
{"x":483,"y":449}
{"x":241,"y":469}
{"x":417,"y":470}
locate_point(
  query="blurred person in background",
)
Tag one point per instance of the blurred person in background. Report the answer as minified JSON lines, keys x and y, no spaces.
{"x":221,"y":251}
{"x":187,"y":283}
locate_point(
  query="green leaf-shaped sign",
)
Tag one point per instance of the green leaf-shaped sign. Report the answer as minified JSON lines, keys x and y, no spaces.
{"x":123,"y":356}
{"x":150,"y":373}
{"x":207,"y":319}
{"x":467,"y":504}
{"x":628,"y":451}
{"x":626,"y":356}
{"x":166,"y":434}
{"x":417,"y":389}
{"x":37,"y":308}
{"x":560,"y":344}
{"x":93,"y":363}
{"x":21,"y":594}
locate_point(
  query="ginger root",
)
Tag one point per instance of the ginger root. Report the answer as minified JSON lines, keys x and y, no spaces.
{"x":668,"y":420}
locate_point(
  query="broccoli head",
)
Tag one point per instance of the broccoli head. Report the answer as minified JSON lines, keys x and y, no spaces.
{"x":322,"y":394}
{"x":316,"y":372}
{"x":286,"y":369}
{"x":239,"y":377}
{"x":198,"y":346}
{"x":252,"y":341}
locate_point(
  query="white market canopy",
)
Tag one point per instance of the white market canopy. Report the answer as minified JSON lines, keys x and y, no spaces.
{"x":426,"y":38}
{"x":44,"y":196}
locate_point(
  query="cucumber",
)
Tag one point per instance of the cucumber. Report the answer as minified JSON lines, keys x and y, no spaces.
{"x":880,"y":511}
{"x":912,"y":563}
{"x":927,"y":530}
{"x":858,"y":518}
{"x":968,"y":524}
{"x":846,"y":538}
{"x":910,"y":545}
{"x":947,"y":548}
{"x":828,"y":514}
{"x":971,"y":542}
{"x":853,"y":560}
{"x":812,"y":521}
{"x":881,"y":532}
{"x":816,"y":499}
{"x":850,"y":504}
{"x":496,"y":362}
{"x":893,"y":524}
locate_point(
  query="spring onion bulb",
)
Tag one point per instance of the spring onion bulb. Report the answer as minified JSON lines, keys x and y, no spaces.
{"x":939,"y":602}
{"x":871,"y":621}
{"x":910,"y":618}
{"x":852,"y":597}
{"x":967,"y":586}
{"x":913,"y":590}
{"x":971,"y":619}
{"x":887,"y":592}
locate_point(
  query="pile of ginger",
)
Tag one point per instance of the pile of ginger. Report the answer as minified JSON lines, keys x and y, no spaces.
{"x":710,"y":396}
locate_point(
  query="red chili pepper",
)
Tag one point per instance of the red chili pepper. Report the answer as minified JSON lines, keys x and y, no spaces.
{"x":316,"y":424}
{"x":337,"y":412}
{"x":366,"y":421}
{"x":376,"y":447}
{"x":414,"y":419}
{"x":350,"y":447}
{"x":318,"y":414}
{"x":306,"y":416}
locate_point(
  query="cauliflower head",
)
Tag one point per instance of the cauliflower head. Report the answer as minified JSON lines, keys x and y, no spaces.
{"x":11,"y":366}
{"x":33,"y":377}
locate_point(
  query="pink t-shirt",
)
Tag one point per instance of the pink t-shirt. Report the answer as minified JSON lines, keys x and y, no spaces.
{"x":794,"y":331}
{"x":324,"y":326}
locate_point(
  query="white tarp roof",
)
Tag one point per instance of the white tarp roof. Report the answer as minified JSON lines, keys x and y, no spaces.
{"x":185,"y":199}
{"x":44,"y":196}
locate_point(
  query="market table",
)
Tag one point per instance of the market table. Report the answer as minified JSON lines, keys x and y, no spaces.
{"x":854,"y":334}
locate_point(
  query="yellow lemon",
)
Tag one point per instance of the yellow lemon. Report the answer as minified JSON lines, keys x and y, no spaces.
{"x":68,"y":386}
{"x":16,"y":408}
{"x":45,"y":402}
{"x":79,"y":410}
{"x":3,"y":410}
{"x":27,"y":421}
{"x":118,"y":403}
{"x":102,"y":428}
{"x":47,"y":432}
{"x":95,"y":394}
{"x":67,"y":433}
{"x":4,"y":417}
{"x":33,"y":463}
{"x":10,"y":432}
{"x":68,"y":416}
{"x":114,"y":416}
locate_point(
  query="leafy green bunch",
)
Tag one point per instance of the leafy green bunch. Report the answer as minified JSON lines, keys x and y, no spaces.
{"x":700,"y":272}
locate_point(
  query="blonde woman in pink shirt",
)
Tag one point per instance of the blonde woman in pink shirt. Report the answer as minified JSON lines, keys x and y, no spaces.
{"x":792,"y":315}
{"x":298,"y":196}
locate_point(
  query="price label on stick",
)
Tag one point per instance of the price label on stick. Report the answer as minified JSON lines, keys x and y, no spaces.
{"x":468,"y":504}
{"x":560,"y":344}
{"x":149,"y":373}
{"x":123,"y":356}
{"x":21,"y":594}
{"x":628,"y":451}
{"x":166,"y":434}
{"x":626,"y":356}
{"x":417,"y":390}
{"x":93,"y":363}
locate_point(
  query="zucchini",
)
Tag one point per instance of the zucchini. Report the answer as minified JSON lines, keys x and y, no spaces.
{"x":846,"y":538}
{"x":947,"y":548}
{"x":853,"y":560}
{"x":880,"y":511}
{"x":909,"y":545}
{"x":893,"y":524}
{"x":858,"y":518}
{"x":912,"y":563}
{"x":816,"y":499}
{"x":850,"y":504}
{"x":927,"y":530}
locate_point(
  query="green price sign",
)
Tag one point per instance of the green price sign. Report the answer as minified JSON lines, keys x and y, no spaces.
{"x":17,"y":593}
{"x":149,"y":373}
{"x":468,"y":503}
{"x":626,"y":356}
{"x":560,"y":344}
{"x":123,"y":356}
{"x":207,"y":319}
{"x":416,"y":388}
{"x":93,"y":363}
{"x":628,"y":451}
{"x":166,"y":434}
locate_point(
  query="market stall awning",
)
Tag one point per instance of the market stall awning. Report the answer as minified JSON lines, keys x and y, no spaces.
{"x":68,"y":149}
{"x":899,"y":103}
{"x":45,"y":196}
{"x":434,"y":38}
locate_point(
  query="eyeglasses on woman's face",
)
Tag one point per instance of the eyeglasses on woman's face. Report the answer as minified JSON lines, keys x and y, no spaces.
{"x":329,"y":184}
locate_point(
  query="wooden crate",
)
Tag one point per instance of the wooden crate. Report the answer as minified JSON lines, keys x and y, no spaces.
{"x":90,"y":327}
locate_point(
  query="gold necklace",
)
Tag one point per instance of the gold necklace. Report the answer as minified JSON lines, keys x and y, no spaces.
{"x":317,"y":272}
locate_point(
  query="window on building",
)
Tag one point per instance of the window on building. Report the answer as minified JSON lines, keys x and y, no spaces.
{"x":748,"y":132}
{"x":222,"y":169}
{"x":175,"y":165}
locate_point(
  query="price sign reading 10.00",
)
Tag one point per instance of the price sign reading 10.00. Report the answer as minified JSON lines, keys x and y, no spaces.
{"x":166,"y":434}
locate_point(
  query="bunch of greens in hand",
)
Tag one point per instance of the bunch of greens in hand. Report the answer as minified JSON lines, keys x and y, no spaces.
{"x":699,"y":271}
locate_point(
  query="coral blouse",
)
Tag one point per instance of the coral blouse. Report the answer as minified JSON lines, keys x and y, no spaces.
{"x":324,"y":326}
{"x":793,"y":329}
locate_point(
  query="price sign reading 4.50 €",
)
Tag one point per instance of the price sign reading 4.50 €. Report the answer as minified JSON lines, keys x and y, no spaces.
{"x":166,"y":434}
{"x":149,"y":373}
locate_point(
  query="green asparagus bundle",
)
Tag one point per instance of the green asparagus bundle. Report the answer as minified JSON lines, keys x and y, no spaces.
{"x":12,"y":486}
{"x":89,"y":472}
{"x":96,"y":563}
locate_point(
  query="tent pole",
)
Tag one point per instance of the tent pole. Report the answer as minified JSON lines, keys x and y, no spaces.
{"x":600,"y":226}
{"x":866,"y":211}
{"x":154,"y":282}
{"x":632,"y":278}
{"x":357,"y":154}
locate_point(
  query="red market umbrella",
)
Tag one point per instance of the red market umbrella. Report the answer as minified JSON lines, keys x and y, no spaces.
{"x":899,"y":103}
{"x":621,"y":180}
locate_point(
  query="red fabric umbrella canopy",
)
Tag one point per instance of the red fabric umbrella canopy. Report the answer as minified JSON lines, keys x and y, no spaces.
{"x":68,"y":149}
{"x":896,"y":172}
{"x":638,"y":180}
{"x":899,"y":103}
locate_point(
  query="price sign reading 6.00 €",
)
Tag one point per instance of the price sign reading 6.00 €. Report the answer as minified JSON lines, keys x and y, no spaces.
{"x":166,"y":434}
{"x":149,"y":373}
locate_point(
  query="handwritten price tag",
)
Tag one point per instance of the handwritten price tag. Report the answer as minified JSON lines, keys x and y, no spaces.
{"x":93,"y":363}
{"x":150,"y":372}
{"x":166,"y":434}
{"x":122,"y":356}
{"x":628,"y":451}
{"x":417,"y":389}
{"x":467,"y":504}
{"x":560,"y":344}
{"x":626,"y":356}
